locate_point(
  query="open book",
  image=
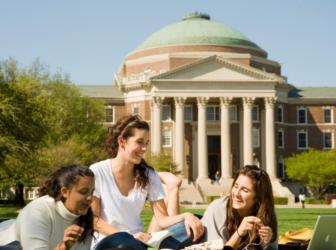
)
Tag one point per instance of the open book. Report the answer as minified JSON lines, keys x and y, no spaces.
{"x":157,"y":238}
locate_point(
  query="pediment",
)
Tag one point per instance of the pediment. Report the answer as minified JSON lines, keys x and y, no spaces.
{"x":215,"y":68}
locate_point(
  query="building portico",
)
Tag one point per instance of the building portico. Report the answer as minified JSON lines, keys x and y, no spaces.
{"x":223,"y":128}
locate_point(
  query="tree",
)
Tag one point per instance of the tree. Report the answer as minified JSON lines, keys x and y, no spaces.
{"x":68,"y":151}
{"x":316,"y":169}
{"x":39,"y":115}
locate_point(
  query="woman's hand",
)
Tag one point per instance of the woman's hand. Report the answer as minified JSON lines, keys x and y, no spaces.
{"x":144,"y":237}
{"x":247,"y":225}
{"x":191,"y":222}
{"x":265,"y":234}
{"x":71,"y":235}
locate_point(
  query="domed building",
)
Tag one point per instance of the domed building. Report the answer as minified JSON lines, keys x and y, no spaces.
{"x":215,"y":102}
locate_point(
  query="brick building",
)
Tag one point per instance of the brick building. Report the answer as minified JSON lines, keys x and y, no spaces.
{"x":216,"y":102}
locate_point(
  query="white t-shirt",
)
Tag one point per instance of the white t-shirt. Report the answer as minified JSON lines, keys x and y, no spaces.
{"x":123,"y":212}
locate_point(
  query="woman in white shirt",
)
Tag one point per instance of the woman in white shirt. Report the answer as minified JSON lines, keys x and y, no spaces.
{"x":62,"y":218}
{"x":123,"y":184}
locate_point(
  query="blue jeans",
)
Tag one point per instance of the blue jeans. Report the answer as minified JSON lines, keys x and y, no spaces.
{"x":123,"y":240}
{"x":15,"y":245}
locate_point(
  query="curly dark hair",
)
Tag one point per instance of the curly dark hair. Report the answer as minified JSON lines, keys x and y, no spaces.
{"x":124,"y":128}
{"x":68,"y":176}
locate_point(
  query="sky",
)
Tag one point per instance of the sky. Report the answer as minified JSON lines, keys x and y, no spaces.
{"x":88,"y":40}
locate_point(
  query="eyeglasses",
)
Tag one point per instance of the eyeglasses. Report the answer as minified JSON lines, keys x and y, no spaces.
{"x":251,"y":246}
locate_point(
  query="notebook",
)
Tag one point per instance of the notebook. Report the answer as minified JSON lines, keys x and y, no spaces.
{"x":324,"y":235}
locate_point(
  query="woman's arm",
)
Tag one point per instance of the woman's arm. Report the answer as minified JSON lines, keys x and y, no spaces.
{"x":191,"y":222}
{"x":247,"y":225}
{"x":100,"y":225}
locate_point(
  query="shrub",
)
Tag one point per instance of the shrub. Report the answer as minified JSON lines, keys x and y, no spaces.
{"x":162,"y":162}
{"x":210,"y":199}
{"x":280,"y":200}
{"x":312,"y":200}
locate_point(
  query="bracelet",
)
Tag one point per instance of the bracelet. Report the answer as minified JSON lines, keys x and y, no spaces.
{"x":240,"y":236}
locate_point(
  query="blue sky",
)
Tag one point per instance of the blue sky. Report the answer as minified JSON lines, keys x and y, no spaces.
{"x":89,"y":39}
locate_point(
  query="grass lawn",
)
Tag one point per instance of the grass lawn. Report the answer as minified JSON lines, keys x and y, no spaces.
{"x":8,"y":211}
{"x":289,"y":219}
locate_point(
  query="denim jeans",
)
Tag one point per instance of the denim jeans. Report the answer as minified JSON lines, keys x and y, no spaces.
{"x":123,"y":240}
{"x":15,"y":245}
{"x":120,"y":240}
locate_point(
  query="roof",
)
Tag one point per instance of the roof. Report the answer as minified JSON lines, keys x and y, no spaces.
{"x":196,"y":29}
{"x":100,"y":91}
{"x":313,"y":92}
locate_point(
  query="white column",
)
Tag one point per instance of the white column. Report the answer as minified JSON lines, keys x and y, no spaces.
{"x":248,"y":147}
{"x":156,"y":129}
{"x":270,"y":137}
{"x":225,"y":138}
{"x":179,"y":132}
{"x":202,"y":139}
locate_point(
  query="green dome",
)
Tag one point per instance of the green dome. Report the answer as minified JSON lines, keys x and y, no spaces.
{"x":196,"y":29}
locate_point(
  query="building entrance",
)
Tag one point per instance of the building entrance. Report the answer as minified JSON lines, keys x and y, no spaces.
{"x":214,"y":157}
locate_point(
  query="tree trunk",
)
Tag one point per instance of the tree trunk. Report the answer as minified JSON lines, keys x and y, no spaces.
{"x":19,"y":199}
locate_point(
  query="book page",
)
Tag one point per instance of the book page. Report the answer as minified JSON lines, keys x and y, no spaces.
{"x":157,"y":238}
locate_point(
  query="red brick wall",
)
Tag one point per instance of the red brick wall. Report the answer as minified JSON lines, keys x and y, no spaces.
{"x":140,"y":68}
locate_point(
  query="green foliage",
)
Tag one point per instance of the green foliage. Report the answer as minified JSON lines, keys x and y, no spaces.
{"x":24,"y":124}
{"x":311,"y":200}
{"x":162,"y":162}
{"x":280,"y":200}
{"x":73,"y":150}
{"x":44,"y":122}
{"x":316,"y":169}
{"x":210,"y":199}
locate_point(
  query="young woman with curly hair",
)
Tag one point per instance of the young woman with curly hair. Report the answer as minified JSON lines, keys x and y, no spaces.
{"x":123,"y":183}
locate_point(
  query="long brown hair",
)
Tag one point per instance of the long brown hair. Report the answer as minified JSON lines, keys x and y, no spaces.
{"x":263,"y":205}
{"x":124,"y":128}
{"x":68,"y":176}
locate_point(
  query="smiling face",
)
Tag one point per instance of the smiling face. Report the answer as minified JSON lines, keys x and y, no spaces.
{"x":78,"y":198}
{"x":243,"y":195}
{"x":135,"y":146}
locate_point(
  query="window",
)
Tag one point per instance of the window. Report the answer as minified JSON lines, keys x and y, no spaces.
{"x":188,"y":113}
{"x":213,"y":113}
{"x":302,"y":139}
{"x":166,"y":112}
{"x":30,"y":194}
{"x":109,"y":114}
{"x":280,"y":113}
{"x":281,"y":168}
{"x":327,"y":115}
{"x":255,"y":113}
{"x":233,"y":113}
{"x":280,"y":138}
{"x":255,"y":138}
{"x":327,"y":139}
{"x":166,"y":138}
{"x":135,"y":109}
{"x":302,"y":115}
